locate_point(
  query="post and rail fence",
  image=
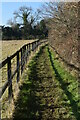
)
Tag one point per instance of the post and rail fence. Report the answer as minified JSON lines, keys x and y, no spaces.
{"x":21,"y":59}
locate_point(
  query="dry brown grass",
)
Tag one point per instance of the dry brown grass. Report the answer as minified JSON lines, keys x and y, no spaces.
{"x":11,"y":46}
{"x":8,"y":48}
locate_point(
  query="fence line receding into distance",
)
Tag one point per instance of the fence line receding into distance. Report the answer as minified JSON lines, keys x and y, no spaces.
{"x":21,"y":59}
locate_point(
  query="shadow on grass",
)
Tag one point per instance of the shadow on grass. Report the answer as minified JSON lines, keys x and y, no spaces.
{"x":73,"y":104}
{"x":28,"y":104}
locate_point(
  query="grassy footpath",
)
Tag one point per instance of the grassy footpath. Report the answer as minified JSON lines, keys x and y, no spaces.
{"x":48,"y":92}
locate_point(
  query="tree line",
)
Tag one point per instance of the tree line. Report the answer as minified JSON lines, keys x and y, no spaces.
{"x":25,"y":25}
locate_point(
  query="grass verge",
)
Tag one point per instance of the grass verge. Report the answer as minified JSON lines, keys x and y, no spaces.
{"x":68,"y":83}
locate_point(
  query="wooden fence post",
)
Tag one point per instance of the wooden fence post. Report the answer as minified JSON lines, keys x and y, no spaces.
{"x":21,"y":60}
{"x":18,"y":67}
{"x":32,"y":46}
{"x":23,"y":57}
{"x":29,"y":48}
{"x":9,"y":77}
{"x":24,"y":52}
{"x":37,"y":43}
{"x":35,"y":46}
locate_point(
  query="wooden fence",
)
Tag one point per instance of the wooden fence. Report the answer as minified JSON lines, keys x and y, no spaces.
{"x":21,"y":59}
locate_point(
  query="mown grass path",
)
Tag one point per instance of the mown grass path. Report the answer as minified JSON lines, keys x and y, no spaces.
{"x":41,"y":96}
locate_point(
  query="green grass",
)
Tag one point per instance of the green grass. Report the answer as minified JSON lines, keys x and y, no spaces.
{"x":68,"y":83}
{"x":48,"y":90}
{"x":27,"y":104}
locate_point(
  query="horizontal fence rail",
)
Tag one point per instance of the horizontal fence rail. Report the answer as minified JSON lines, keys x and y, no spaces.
{"x":21,"y":59}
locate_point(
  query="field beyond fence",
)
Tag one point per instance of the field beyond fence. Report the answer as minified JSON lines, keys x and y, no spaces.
{"x":12,"y":68}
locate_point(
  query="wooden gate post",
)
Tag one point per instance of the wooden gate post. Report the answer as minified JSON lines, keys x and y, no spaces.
{"x":9,"y":77}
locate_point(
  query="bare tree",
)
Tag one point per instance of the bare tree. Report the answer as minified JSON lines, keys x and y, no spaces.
{"x":62,"y":20}
{"x":23,"y":14}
